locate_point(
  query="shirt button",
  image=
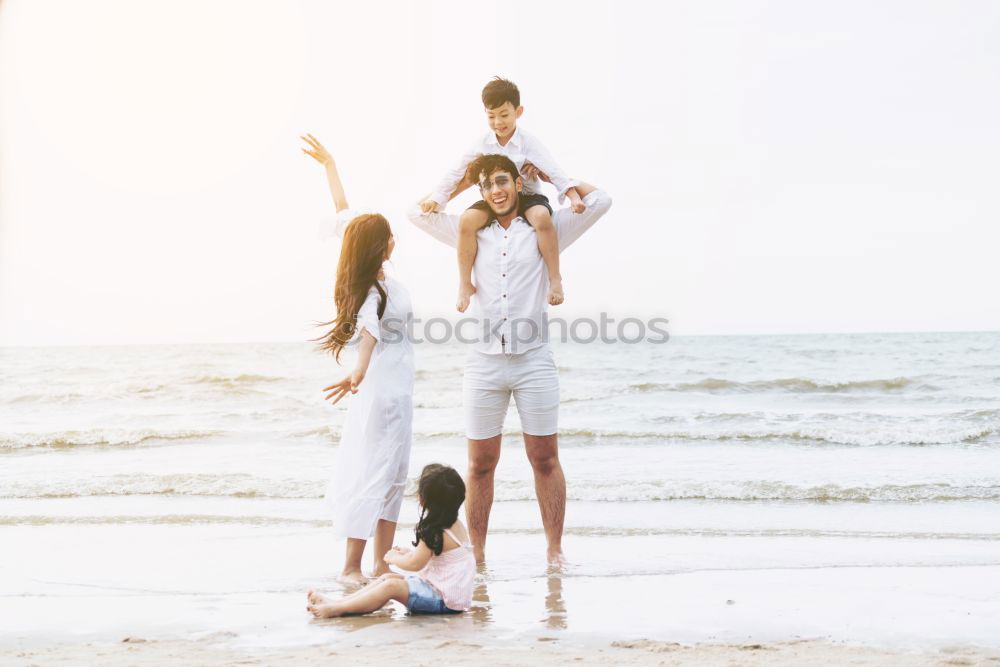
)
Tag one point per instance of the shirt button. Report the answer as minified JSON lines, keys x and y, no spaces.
{"x":503,"y":275}
{"x":505,"y":296}
{"x":504,"y":254}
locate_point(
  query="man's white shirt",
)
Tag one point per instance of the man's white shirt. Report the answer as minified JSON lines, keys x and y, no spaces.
{"x":512,"y":283}
{"x":520,"y":148}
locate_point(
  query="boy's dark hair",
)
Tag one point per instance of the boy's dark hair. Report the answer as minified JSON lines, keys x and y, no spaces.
{"x":441,"y":492}
{"x":498,"y":91}
{"x":484,"y":165}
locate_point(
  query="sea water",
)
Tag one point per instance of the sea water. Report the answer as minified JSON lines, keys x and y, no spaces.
{"x":178,"y":489}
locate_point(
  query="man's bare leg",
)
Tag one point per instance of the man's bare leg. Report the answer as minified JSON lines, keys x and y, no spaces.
{"x":483,"y":457}
{"x":385,"y":533}
{"x":352,"y":574}
{"x":469,"y":224}
{"x":550,"y":487}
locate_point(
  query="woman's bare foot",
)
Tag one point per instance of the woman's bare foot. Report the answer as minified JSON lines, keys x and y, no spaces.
{"x":379,"y":571}
{"x":465,"y":293}
{"x":328,"y":610}
{"x":555,"y":292}
{"x":352,"y":579}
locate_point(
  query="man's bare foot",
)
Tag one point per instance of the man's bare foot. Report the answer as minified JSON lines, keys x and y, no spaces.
{"x":352,"y":579}
{"x":555,"y":292}
{"x":328,"y":610}
{"x":465,"y":293}
{"x":556,"y":559}
{"x":316,"y":598}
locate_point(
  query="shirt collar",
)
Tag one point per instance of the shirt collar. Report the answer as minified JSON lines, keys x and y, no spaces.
{"x":515,"y":139}
{"x":495,"y":222}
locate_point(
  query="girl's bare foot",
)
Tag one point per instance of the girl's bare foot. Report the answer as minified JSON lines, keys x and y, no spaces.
{"x":328,"y":610}
{"x":465,"y":293}
{"x":555,"y":292}
{"x":352,"y":579}
{"x":316,"y":598}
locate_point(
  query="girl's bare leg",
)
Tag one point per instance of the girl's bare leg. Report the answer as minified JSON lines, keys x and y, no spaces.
{"x":352,"y":575}
{"x":315,"y":599}
{"x":370,"y":598}
{"x":469,"y":224}
{"x":548,"y":245}
{"x":385,"y":532}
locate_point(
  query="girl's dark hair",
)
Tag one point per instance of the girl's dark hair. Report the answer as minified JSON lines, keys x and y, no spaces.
{"x":441,"y":492}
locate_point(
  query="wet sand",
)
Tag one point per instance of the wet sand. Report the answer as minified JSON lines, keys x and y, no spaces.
{"x":544,"y":651}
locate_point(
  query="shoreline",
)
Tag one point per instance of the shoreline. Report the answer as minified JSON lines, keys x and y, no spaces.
{"x":216,"y":650}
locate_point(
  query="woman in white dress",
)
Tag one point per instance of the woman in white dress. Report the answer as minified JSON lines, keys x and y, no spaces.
{"x":369,"y":478}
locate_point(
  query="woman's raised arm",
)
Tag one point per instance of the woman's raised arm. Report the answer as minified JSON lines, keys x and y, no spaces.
{"x":319,"y":153}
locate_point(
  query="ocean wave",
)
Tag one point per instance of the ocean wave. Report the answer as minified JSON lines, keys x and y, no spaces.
{"x":95,"y":438}
{"x":235,"y":380}
{"x":634,"y":491}
{"x":616,"y":531}
{"x":201,"y":484}
{"x":325,"y":432}
{"x":866,"y":435}
{"x":249,"y":486}
{"x":69,"y":397}
{"x":788,"y":385}
{"x":450,"y":373}
{"x":164,"y":519}
{"x":236,"y":384}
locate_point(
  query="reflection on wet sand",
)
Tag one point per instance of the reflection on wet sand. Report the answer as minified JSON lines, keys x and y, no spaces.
{"x":555,"y":605}
{"x":482,"y":609}
{"x":386,"y":614}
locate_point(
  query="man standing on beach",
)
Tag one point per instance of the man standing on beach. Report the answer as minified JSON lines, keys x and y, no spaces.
{"x":511,"y":355}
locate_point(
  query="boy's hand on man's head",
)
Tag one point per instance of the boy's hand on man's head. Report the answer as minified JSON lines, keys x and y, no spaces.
{"x":428,"y":206}
{"x":529,"y":170}
{"x":579,"y":206}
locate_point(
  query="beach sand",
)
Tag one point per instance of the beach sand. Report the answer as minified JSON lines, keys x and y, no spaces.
{"x":401,"y":651}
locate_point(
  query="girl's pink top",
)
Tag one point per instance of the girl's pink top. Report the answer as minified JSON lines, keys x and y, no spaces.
{"x":452,"y":574}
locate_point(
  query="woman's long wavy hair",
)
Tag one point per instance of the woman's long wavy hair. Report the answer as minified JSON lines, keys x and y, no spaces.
{"x":442,"y":492}
{"x":362,"y":252}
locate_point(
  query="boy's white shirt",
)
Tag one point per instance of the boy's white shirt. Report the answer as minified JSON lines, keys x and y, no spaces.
{"x":522,"y":147}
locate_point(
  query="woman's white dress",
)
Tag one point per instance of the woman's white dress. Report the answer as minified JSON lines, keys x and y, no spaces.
{"x":370,"y":471}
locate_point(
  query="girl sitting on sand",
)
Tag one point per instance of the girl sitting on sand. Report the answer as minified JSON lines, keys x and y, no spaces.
{"x":442,"y":560}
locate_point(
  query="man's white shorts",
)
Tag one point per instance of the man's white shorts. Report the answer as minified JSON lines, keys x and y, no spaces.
{"x":489,"y":381}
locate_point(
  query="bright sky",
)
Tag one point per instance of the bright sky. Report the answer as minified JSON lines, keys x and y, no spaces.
{"x":777,"y":167}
